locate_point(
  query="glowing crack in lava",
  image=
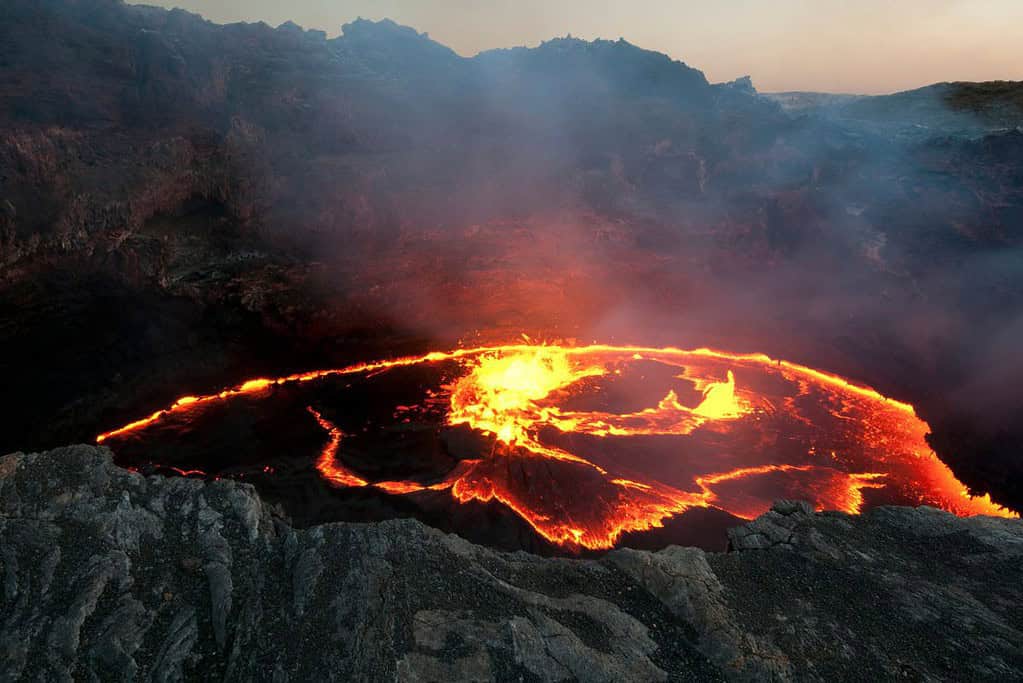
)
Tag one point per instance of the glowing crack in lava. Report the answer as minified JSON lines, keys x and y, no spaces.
{"x":732,"y":431}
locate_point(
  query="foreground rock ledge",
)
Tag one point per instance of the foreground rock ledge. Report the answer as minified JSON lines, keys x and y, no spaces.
{"x":110,"y":575}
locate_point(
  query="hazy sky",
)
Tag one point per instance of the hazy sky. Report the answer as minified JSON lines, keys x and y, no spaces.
{"x":865,"y":46}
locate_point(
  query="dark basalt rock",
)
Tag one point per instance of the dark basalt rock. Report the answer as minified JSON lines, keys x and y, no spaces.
{"x":109,"y":575}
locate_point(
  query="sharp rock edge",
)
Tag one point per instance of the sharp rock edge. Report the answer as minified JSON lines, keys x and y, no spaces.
{"x":108,"y":575}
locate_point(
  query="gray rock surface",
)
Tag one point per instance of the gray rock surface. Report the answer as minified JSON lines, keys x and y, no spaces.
{"x":108,"y":575}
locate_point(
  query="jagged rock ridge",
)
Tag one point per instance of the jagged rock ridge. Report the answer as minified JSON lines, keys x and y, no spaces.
{"x":109,"y":575}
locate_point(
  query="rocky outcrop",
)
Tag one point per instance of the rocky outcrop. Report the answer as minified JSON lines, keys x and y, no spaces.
{"x":944,"y":107}
{"x":109,"y":575}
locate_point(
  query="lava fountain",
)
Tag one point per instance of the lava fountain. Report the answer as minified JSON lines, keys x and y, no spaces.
{"x":587,"y":443}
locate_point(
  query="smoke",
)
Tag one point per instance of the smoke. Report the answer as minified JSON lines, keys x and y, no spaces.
{"x":596,"y":191}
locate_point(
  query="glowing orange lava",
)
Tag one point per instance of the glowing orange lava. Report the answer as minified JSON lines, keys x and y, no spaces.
{"x":567,"y":467}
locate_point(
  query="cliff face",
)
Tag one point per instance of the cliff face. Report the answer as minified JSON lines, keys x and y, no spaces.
{"x":184,"y":205}
{"x":113,"y":113}
{"x":109,"y":575}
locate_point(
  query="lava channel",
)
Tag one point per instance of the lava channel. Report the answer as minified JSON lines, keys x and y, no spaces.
{"x":596,"y":441}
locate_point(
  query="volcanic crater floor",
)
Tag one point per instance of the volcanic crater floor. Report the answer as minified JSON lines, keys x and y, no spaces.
{"x":553,"y":449}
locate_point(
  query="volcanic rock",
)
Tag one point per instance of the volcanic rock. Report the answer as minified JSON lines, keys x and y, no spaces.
{"x":110,"y":575}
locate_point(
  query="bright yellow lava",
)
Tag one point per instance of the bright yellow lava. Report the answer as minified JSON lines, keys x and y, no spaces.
{"x":515,"y":392}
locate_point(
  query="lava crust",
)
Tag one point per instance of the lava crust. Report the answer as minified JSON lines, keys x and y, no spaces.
{"x":584,"y":444}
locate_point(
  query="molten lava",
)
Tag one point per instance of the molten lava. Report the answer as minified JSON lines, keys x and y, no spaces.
{"x":733,"y":431}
